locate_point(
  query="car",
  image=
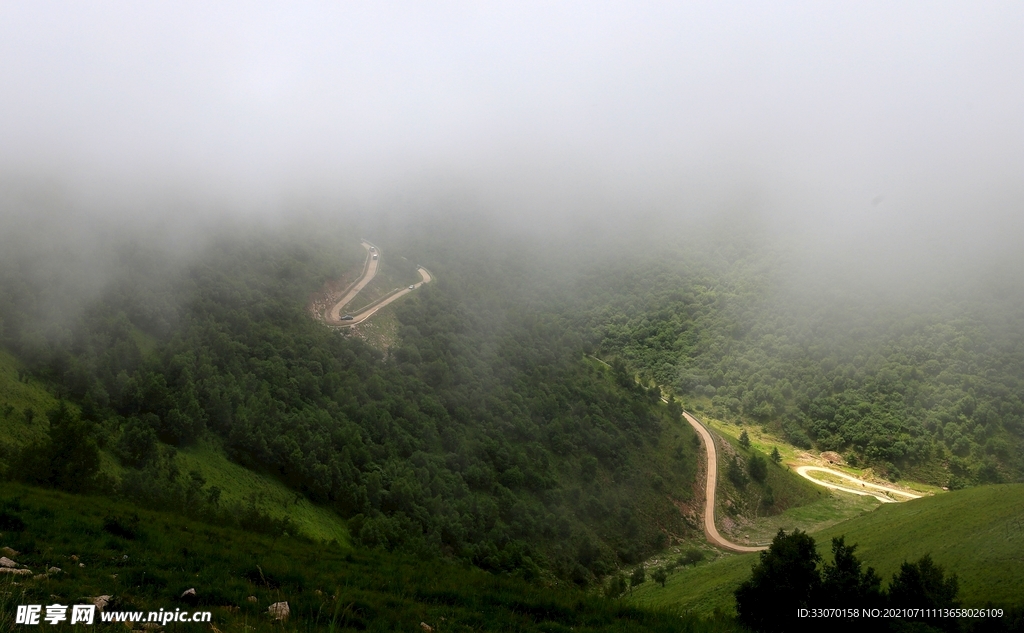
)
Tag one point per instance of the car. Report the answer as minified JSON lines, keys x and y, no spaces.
{"x":347,"y":317}
{"x":412,"y":287}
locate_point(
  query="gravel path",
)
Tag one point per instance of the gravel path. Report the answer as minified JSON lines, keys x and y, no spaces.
{"x":333,"y":316}
{"x":710,"y":530}
{"x":867,"y":489}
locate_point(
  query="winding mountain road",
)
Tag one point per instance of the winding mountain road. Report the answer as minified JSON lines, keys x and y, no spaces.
{"x":867,"y":489}
{"x":710,"y":530}
{"x":333,"y":316}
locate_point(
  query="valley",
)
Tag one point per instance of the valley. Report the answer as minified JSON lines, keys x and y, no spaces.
{"x":492,"y":428}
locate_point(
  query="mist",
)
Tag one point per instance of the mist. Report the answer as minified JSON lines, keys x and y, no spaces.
{"x":869,"y":142}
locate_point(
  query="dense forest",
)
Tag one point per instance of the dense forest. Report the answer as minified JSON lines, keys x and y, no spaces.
{"x":486,"y":435}
{"x":927,"y":386}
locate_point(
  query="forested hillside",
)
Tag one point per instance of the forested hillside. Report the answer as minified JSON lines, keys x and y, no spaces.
{"x":486,"y":435}
{"x":927,"y":386}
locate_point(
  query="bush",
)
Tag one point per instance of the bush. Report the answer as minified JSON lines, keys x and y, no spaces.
{"x":137,"y":445}
{"x":125,"y":527}
{"x":736,"y":474}
{"x":757,"y":468}
{"x":691,"y":556}
{"x":638,"y":577}
{"x":659,"y":576}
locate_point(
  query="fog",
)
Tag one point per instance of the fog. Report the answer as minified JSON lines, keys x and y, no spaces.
{"x":886,"y":141}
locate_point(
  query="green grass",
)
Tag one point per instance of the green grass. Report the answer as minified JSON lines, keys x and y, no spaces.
{"x":760,"y":439}
{"x":976,"y":533}
{"x":238,"y":484}
{"x":146,"y":560}
{"x":702,"y":589}
{"x":830,"y":509}
{"x":738,"y":513}
{"x":15,"y":398}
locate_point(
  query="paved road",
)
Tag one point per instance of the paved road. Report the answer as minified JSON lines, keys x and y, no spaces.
{"x":333,"y":317}
{"x":710,"y":530}
{"x":866,"y":489}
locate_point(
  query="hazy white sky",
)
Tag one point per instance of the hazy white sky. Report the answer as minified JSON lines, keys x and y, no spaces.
{"x":828,"y":104}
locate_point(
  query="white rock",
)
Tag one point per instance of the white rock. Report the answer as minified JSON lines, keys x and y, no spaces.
{"x":101,"y":602}
{"x":279,"y":611}
{"x":7,"y":562}
{"x":189,"y":592}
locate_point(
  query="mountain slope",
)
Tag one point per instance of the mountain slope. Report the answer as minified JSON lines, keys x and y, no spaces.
{"x":976,"y":533}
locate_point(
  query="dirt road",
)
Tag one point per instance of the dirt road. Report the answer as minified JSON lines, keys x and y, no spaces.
{"x":710,"y":530}
{"x":371,"y":309}
{"x":866,"y":488}
{"x":333,"y":316}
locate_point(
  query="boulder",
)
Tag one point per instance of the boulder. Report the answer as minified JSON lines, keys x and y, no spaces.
{"x":279,"y":611}
{"x":252,"y":599}
{"x":191,"y":591}
{"x":101,"y":602}
{"x":426,"y":627}
{"x":832,"y":457}
{"x":7,"y":562}
{"x":9,"y":552}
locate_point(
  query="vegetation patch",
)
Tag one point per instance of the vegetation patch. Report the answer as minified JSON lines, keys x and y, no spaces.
{"x":147,"y":560}
{"x":980,"y":541}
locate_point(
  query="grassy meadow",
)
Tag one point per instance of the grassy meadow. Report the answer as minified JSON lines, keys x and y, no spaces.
{"x":976,"y":533}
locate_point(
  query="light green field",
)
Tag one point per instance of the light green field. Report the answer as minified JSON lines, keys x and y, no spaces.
{"x":15,"y":398}
{"x":831,"y":509}
{"x":238,"y":484}
{"x":977,"y":533}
